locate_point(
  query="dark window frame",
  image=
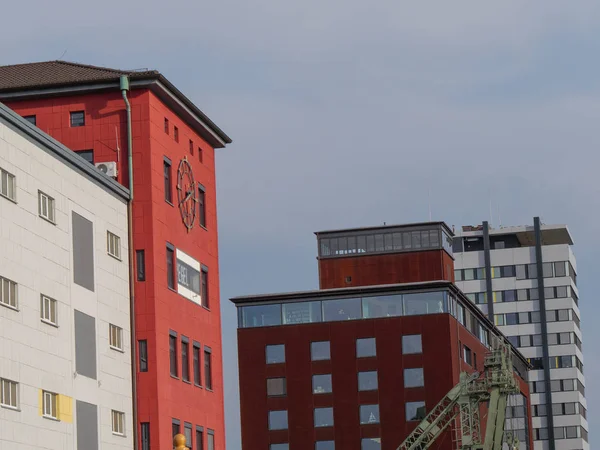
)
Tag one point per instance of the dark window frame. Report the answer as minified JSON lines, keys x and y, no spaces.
{"x":199,"y":438}
{"x":140,"y":265}
{"x":171,"y":266}
{"x":191,"y":147}
{"x":166,"y":126}
{"x":202,"y":206}
{"x":143,"y":355}
{"x":204,"y":287}
{"x":145,"y":435}
{"x":74,"y":121}
{"x":176,"y":134}
{"x":185,"y":359}
{"x":168,"y":180}
{"x":196,"y":350}
{"x":175,"y":426}
{"x":85,"y":153}
{"x":32,"y":119}
{"x":173,"y":363}
{"x":208,"y":368}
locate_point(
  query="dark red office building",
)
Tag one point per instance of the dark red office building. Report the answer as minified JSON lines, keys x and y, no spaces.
{"x":356,"y":366}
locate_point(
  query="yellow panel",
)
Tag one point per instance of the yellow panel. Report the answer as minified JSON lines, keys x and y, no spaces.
{"x":41,"y":402}
{"x":65,"y":408}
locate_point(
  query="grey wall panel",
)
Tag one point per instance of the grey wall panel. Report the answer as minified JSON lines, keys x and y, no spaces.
{"x":83,"y":252}
{"x":87,"y":426}
{"x":85,"y":345}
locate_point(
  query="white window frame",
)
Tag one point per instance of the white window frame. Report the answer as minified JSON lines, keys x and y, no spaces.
{"x":49,"y":405}
{"x":118,"y":422}
{"x":115,"y":337}
{"x":48,"y":310}
{"x":113,"y":245}
{"x":8,"y":182}
{"x":8,"y":287}
{"x":6,"y":391}
{"x":47,"y":202}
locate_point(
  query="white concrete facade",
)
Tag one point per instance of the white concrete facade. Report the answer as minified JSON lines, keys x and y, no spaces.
{"x":37,"y":255}
{"x":518,"y":294}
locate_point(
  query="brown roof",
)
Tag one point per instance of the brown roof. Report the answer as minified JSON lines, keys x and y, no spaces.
{"x":20,"y":78}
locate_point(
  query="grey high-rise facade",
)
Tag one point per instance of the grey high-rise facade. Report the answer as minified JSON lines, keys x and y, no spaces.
{"x":525,"y":279}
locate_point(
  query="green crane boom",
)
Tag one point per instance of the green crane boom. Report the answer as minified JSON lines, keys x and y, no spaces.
{"x":462,"y":404}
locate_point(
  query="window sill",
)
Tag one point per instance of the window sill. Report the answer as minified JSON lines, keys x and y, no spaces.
{"x":46,"y":219}
{"x":198,"y":385}
{"x":54,"y":419}
{"x":119,"y":434}
{"x":187,"y":381}
{"x":175,"y":377}
{"x":168,"y":202}
{"x":204,"y":227}
{"x":172,"y":289}
{"x":206,"y":308}
{"x":113,"y":256}
{"x":209,"y":390}
{"x":8,"y":198}
{"x":14,"y":308}
{"x":47,"y":322}
{"x":11,"y":408}
{"x":116,"y":349}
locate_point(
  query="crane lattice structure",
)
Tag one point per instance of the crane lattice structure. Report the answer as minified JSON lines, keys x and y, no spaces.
{"x":461,"y":405}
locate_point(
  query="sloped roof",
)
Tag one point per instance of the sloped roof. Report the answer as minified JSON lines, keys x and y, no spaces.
{"x":23,"y":80}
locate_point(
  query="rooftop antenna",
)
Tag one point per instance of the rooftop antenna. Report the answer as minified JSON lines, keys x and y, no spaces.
{"x":63,"y":54}
{"x":491,"y":217}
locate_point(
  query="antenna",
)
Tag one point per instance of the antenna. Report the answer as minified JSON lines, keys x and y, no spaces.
{"x":491,"y":217}
{"x":63,"y":54}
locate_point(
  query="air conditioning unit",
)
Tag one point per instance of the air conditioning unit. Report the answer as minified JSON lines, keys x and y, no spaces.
{"x":108,"y":168}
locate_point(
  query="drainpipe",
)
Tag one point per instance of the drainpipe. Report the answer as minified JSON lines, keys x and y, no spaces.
{"x":124,"y":85}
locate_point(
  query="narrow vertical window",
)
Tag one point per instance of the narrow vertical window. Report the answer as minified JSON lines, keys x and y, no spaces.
{"x":196,"y":357}
{"x":207,"y":368}
{"x":113,"y":245}
{"x":48,"y":310}
{"x":143,"y":355}
{"x":185,"y":359}
{"x":166,"y":126}
{"x":187,"y":432}
{"x":46,"y":206}
{"x":176,"y":134}
{"x":170,"y":266}
{"x":7,"y":185}
{"x":204,"y":298}
{"x":175,"y":427}
{"x":211,"y":440}
{"x":173,"y":354}
{"x":118,"y":423}
{"x":8,"y":393}
{"x":77,"y":118}
{"x":115,"y":337}
{"x":145,"y":435}
{"x":49,"y":405}
{"x":200,"y":155}
{"x":167,"y":176}
{"x":140,"y":264}
{"x":199,"y":438}
{"x":202,"y":206}
{"x":191,"y":147}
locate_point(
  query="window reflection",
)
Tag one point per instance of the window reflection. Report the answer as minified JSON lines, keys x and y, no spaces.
{"x":425,"y":303}
{"x":303,"y":312}
{"x":382,"y":306}
{"x":261,"y":316}
{"x":342,"y":309}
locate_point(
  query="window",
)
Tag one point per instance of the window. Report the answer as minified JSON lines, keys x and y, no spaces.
{"x":77,"y":119}
{"x":166,"y":126}
{"x":170,"y":266}
{"x":48,"y":310}
{"x":571,"y":432}
{"x":276,"y":387}
{"x":8,"y":292}
{"x":365,"y":347}
{"x":323,"y":417}
{"x":204,"y":298}
{"x":207,"y":368}
{"x":547,"y":270}
{"x":167,"y":176}
{"x":116,"y":337}
{"x":211,"y":440}
{"x":8,"y":393}
{"x":414,"y":377}
{"x":202,"y":207}
{"x":199,"y":438}
{"x":196,"y":358}
{"x":187,"y":432}
{"x":145,"y":435}
{"x":275,"y":354}
{"x":411,"y":344}
{"x":143,"y":355}
{"x":370,"y":444}
{"x":322,"y":384}
{"x":88,"y":155}
{"x":512,"y":319}
{"x":46,"y":206}
{"x":560,"y":269}
{"x":521,"y":272}
{"x":118,"y":423}
{"x":31,"y":119}
{"x":175,"y":427}
{"x":49,"y":405}
{"x":185,"y":360}
{"x":369,"y":414}
{"x":325,"y":445}
{"x":8,"y":185}
{"x":278,"y":420}
{"x":140,"y":264}
{"x":200,"y":155}
{"x":415,"y":411}
{"x":173,"y":354}
{"x":320,"y":351}
{"x":342,"y":309}
{"x":191,"y":147}
{"x":285,"y":446}
{"x":113,"y":245}
{"x":176,"y":134}
{"x":367,"y":381}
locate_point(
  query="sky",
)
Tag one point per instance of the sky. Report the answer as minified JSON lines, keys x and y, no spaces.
{"x":350,"y":113}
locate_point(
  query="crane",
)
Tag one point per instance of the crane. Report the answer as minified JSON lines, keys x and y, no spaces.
{"x":461,"y":406}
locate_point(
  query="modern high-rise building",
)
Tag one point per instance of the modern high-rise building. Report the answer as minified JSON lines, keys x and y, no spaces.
{"x":358,"y":364}
{"x":139,"y":129}
{"x":65,"y":357}
{"x":525,"y":279}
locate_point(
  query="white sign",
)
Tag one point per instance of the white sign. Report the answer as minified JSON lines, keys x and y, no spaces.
{"x":188,"y":277}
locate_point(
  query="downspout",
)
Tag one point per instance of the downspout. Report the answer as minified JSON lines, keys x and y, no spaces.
{"x":124,"y":86}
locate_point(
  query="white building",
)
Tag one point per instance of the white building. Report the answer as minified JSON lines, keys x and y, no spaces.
{"x":65,"y":365}
{"x":525,"y":277}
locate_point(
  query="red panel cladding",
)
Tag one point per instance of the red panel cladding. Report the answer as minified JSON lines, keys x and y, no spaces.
{"x":370,"y":270}
{"x":440,"y":360}
{"x":155,"y":222}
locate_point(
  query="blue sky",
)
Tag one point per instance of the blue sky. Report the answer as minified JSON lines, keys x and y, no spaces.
{"x":346,"y":113}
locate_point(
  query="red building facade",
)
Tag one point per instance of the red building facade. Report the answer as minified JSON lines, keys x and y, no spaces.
{"x":177,"y":311}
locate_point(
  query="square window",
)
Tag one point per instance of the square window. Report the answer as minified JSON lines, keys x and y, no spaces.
{"x":369,"y":414}
{"x":562,"y":292}
{"x":411,"y":344}
{"x":275,"y":354}
{"x":560,"y":269}
{"x":563,"y":315}
{"x":325,"y":445}
{"x":510,"y":296}
{"x":279,"y":446}
{"x":365,"y":347}
{"x":323,"y":417}
{"x":49,"y":405}
{"x":46,"y":206}
{"x":565,"y":338}
{"x":499,"y":319}
{"x":414,"y":377}
{"x":537,"y":340}
{"x":118,"y":423}
{"x":276,"y":387}
{"x":415,"y":411}
{"x":322,"y":384}
{"x":521,"y":272}
{"x":113,"y":245}
{"x":48,"y":310}
{"x":571,"y":432}
{"x":116,"y":337}
{"x":532,"y":271}
{"x":469,"y":274}
{"x":320,"y":351}
{"x":548,"y":270}
{"x":522,"y":295}
{"x":31,"y":119}
{"x":278,"y":420}
{"x":370,"y":444}
{"x":512,"y":319}
{"x":8,"y":186}
{"x":367,"y":381}
{"x":458,"y":275}
{"x":9,"y":393}
{"x":88,"y":155}
{"x":77,"y":118}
